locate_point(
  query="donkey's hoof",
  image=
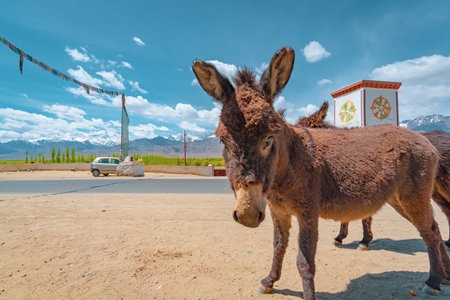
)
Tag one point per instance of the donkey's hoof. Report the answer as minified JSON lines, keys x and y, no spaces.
{"x":430,"y":291}
{"x":264,"y":289}
{"x":363,"y":247}
{"x":337,"y":243}
{"x":446,"y":282}
{"x":447,"y":245}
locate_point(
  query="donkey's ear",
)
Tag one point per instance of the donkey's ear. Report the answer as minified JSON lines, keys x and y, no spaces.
{"x":322,"y":113}
{"x":277,"y":75}
{"x":215,"y":84}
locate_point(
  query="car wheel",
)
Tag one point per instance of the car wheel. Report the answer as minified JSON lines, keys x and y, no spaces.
{"x":106,"y":174}
{"x":96,"y":173}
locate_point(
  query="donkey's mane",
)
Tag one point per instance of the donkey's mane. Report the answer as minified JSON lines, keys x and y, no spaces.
{"x":245,"y":77}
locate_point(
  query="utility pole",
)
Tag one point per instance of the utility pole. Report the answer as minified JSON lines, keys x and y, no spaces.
{"x":185,"y":147}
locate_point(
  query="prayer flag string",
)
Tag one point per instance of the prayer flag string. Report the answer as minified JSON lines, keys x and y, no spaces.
{"x":52,"y":70}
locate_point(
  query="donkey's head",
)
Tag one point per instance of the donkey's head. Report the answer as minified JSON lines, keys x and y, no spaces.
{"x":249,"y":128}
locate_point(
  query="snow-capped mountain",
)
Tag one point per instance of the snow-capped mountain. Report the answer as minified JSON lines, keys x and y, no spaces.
{"x":189,"y":137}
{"x":167,"y":146}
{"x":202,"y":145}
{"x":427,"y":123}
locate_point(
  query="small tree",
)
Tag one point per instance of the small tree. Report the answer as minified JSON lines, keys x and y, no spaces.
{"x":72,"y":154}
{"x":26,"y":156}
{"x":58,"y":155}
{"x":67,"y":155}
{"x":52,"y":152}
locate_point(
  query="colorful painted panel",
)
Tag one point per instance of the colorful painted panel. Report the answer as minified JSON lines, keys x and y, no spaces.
{"x":381,"y":108}
{"x":347,"y":111}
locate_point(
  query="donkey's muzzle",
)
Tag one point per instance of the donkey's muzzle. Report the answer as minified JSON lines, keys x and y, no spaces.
{"x":249,"y":223}
{"x":250,"y":206}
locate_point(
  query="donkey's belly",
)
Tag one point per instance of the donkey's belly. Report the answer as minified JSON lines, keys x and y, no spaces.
{"x":346,"y":211}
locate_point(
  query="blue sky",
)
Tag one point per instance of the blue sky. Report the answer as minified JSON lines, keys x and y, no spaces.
{"x":145,"y":49}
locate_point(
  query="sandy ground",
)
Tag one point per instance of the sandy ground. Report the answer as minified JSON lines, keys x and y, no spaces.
{"x":170,"y":246}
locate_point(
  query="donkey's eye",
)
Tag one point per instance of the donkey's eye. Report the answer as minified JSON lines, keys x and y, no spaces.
{"x":224,"y":145}
{"x":268,"y":142}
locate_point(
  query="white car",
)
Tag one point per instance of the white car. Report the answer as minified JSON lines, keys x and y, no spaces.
{"x":104,"y":165}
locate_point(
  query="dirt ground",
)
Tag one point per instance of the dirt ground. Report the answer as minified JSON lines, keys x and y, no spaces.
{"x":169,"y":246}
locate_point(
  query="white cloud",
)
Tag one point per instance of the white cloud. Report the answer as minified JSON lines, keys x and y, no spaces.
{"x":195,"y":82}
{"x":22,"y":115}
{"x":135,"y":87}
{"x":281,"y":103}
{"x":77,"y":55}
{"x":146,"y":130}
{"x":141,"y":106}
{"x":93,"y":97}
{"x":211,"y":116}
{"x":226,"y":69}
{"x":138,"y":41}
{"x":113,"y":79}
{"x":17,"y":124}
{"x":186,"y":111}
{"x":65,"y":112}
{"x":423,"y":70}
{"x":261,"y":69}
{"x":314,"y":52}
{"x":425,"y":84}
{"x":191,"y":127}
{"x":83,"y":76}
{"x":308,"y":110}
{"x":324,"y":81}
{"x":9,"y":135}
{"x":95,"y":60}
{"x":24,"y":95}
{"x":127,"y":65}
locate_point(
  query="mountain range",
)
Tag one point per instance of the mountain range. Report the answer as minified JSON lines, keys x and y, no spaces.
{"x":197,"y":146}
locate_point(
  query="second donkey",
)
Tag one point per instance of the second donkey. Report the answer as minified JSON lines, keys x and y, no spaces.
{"x":441,"y":193}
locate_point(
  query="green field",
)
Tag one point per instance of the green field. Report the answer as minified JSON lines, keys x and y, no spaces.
{"x":149,"y":160}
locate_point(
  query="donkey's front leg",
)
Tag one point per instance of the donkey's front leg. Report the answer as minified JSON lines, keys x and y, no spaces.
{"x":308,"y":237}
{"x":281,"y":226}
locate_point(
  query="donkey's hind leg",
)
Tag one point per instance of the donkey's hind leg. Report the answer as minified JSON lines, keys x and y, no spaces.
{"x":444,"y":204}
{"x":421,"y":216}
{"x":367,"y":234}
{"x":281,"y":226}
{"x":343,"y":232}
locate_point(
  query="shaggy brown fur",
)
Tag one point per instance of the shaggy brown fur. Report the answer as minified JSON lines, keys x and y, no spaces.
{"x":441,"y":193}
{"x":310,"y":173}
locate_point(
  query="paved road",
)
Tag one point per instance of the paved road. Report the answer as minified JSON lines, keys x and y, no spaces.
{"x":116,"y":186}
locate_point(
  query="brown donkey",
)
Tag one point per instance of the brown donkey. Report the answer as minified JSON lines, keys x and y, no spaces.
{"x":441,"y":193}
{"x":305,"y":172}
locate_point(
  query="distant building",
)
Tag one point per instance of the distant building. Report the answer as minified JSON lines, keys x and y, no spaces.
{"x":366,"y":103}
